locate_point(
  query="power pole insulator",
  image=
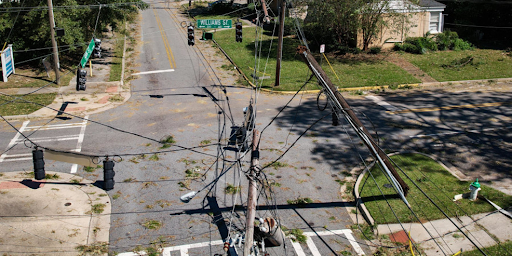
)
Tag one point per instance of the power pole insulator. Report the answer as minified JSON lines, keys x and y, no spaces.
{"x":38,"y":159}
{"x":108,"y":175}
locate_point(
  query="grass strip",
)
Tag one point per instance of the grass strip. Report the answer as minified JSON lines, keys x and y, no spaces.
{"x":503,"y":249}
{"x":458,"y":65}
{"x":435,"y":181}
{"x":117,"y":59}
{"x":20,"y":107}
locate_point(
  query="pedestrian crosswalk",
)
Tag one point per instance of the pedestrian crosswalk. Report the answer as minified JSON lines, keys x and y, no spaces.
{"x":52,"y":133}
{"x":183,"y":250}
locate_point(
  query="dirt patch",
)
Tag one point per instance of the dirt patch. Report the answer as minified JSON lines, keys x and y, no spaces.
{"x":410,"y":68}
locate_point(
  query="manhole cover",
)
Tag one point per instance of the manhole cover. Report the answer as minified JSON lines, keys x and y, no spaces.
{"x":387,"y":186}
{"x":67,"y":204}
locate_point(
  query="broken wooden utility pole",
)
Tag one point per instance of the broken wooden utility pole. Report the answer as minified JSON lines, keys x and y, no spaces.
{"x":282,"y":11}
{"x":252,"y":195}
{"x":340,"y":105}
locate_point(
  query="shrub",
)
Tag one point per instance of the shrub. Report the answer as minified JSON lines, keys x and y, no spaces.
{"x":398,"y":47}
{"x":411,"y":48}
{"x":423,"y":44}
{"x":375,"y":50}
{"x":460,"y":45}
{"x":446,"y":40}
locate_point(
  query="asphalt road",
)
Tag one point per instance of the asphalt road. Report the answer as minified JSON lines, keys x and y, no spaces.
{"x":190,"y":104}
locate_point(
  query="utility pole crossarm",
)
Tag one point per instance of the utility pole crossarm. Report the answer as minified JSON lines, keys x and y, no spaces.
{"x":341,"y":105}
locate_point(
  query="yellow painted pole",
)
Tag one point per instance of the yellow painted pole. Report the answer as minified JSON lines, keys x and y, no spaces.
{"x":410,"y":244}
{"x":331,"y":68}
{"x":90,"y":66}
{"x":3,"y":48}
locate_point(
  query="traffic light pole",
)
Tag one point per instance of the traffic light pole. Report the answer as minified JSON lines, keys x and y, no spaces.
{"x":341,"y":105}
{"x":54,"y":43}
{"x":280,"y":43}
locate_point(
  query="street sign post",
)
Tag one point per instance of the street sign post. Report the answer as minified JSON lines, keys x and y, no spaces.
{"x":7,"y":62}
{"x":87,"y":53}
{"x":214,"y":23}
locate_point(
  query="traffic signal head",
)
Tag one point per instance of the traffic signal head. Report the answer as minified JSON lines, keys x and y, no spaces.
{"x":37,"y":158}
{"x":190,"y":34}
{"x":238,"y":28}
{"x":97,"y":48}
{"x":81,"y":78}
{"x":108,"y":175}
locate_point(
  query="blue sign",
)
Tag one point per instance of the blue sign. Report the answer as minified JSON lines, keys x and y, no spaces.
{"x":7,"y":62}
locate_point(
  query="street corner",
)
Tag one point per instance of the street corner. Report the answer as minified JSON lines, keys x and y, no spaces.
{"x":62,"y":211}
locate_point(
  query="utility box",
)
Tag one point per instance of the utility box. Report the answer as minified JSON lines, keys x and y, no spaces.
{"x":207,"y":35}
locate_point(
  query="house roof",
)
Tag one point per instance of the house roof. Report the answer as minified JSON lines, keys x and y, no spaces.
{"x":431,"y":3}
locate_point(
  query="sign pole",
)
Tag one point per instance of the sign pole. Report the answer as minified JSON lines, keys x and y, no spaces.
{"x":90,"y":67}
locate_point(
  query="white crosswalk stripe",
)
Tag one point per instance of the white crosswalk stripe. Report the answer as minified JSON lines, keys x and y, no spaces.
{"x":183,"y":249}
{"x":19,"y":139}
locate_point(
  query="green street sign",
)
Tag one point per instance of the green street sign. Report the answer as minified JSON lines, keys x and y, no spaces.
{"x":214,"y":23}
{"x":87,"y":53}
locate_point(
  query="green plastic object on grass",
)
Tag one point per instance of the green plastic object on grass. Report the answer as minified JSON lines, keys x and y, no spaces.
{"x":475,"y":184}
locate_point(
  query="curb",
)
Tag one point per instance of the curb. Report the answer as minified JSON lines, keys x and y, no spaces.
{"x":360,"y":204}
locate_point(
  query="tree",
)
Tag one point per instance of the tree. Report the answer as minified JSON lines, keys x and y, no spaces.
{"x":78,"y":19}
{"x":341,"y":21}
{"x":333,"y":21}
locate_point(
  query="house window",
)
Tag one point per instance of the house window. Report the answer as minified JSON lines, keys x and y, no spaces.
{"x":435,"y":22}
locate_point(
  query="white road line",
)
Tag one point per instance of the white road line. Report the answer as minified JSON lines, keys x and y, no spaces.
{"x":20,"y":131}
{"x":457,"y":132}
{"x":297,"y":248}
{"x":18,"y":155}
{"x":380,"y":101}
{"x":17,"y":159}
{"x":57,"y":138}
{"x":312,"y":247}
{"x":74,"y":167}
{"x":353,"y":242}
{"x":183,"y":249}
{"x":13,"y":141}
{"x":346,"y":232}
{"x":153,"y":72}
{"x":54,"y":127}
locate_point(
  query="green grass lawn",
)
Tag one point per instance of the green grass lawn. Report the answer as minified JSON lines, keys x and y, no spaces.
{"x":362,"y":71}
{"x":117,"y":59}
{"x":20,"y":107}
{"x":503,"y":249}
{"x":435,"y":181}
{"x":26,"y":76}
{"x":445,"y":66}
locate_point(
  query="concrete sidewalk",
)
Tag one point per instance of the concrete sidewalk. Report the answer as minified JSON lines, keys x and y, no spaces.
{"x":484,"y":230}
{"x":52,"y":216}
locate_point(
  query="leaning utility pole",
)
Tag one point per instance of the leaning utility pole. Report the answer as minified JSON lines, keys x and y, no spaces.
{"x":339,"y":104}
{"x":54,"y":43}
{"x":252,"y":195}
{"x":280,"y":42}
